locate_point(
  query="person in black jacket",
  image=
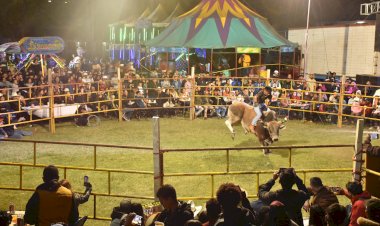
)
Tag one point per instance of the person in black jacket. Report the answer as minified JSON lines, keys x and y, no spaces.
{"x":230,"y":196}
{"x":292,"y":199}
{"x":175,"y":213}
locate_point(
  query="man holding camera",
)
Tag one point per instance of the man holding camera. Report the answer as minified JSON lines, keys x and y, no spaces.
{"x":51,"y":203}
{"x":292,"y":199}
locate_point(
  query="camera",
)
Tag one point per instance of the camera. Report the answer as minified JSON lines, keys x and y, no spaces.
{"x":85,"y":181}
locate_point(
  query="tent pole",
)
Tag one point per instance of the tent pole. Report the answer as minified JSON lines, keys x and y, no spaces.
{"x":188,"y":61}
{"x":306,"y":40}
{"x":212,"y":55}
{"x":294,"y":61}
{"x":279,"y":62}
{"x":236,"y":63}
{"x":51,"y":96}
{"x":260,"y":64}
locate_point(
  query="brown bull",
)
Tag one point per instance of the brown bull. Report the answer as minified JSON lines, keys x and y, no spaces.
{"x":267,"y":132}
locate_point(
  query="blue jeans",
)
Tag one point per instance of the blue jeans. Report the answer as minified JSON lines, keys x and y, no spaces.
{"x":221,"y":111}
{"x":128,"y":112}
{"x":18,"y":134}
{"x":258,"y":113}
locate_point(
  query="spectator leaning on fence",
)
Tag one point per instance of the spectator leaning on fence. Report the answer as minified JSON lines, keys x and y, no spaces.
{"x":354,"y":191}
{"x":51,"y":203}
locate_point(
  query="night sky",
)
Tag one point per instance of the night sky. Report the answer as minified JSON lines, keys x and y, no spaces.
{"x":87,"y":20}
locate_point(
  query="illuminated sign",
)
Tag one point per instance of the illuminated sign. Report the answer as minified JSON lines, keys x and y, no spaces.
{"x":287,"y":49}
{"x":248,"y":50}
{"x":42,"y":45}
{"x":168,"y":50}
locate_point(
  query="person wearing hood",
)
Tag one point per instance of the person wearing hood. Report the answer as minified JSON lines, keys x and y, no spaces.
{"x":175,"y":213}
{"x":51,"y":203}
{"x":354,"y":191}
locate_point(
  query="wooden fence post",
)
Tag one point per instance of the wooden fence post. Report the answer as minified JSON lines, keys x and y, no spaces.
{"x":51,"y":99}
{"x":158,"y":158}
{"x":341,"y":100}
{"x":358,"y":158}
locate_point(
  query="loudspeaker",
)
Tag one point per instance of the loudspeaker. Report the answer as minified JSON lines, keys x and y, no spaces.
{"x":362,"y":79}
{"x":377,"y":33}
{"x":373,"y":181}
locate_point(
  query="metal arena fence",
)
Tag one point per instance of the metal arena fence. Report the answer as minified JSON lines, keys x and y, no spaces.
{"x":157,"y":172}
{"x":147,"y":97}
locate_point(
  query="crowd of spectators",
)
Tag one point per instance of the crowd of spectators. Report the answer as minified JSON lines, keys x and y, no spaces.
{"x":53,"y":202}
{"x":94,"y":85}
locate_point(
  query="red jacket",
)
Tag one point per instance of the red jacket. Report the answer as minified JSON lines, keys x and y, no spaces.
{"x":358,"y":207}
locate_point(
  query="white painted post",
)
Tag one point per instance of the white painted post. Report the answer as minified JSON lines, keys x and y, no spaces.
{"x":358,"y":158}
{"x":158,"y":158}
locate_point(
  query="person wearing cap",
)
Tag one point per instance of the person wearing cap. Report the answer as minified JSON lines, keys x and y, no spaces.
{"x":260,"y":104}
{"x":51,"y":203}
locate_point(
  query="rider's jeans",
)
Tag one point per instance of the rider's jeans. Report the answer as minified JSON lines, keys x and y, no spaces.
{"x":258,"y":115}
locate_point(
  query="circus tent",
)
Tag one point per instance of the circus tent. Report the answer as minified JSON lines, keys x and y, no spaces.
{"x":219,"y":24}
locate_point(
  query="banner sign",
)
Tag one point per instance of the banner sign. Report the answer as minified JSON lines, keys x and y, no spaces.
{"x":287,"y":49}
{"x":248,"y":50}
{"x":42,"y":45}
{"x":167,"y":50}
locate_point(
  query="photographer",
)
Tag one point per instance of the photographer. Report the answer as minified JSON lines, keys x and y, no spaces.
{"x":293,"y":200}
{"x":354,"y":191}
{"x":135,"y":217}
{"x":78,"y":198}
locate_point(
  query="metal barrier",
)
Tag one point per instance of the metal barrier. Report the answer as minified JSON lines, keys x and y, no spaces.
{"x":66,"y":168}
{"x":114,"y":98}
{"x":158,"y":161}
{"x":228,"y":150}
